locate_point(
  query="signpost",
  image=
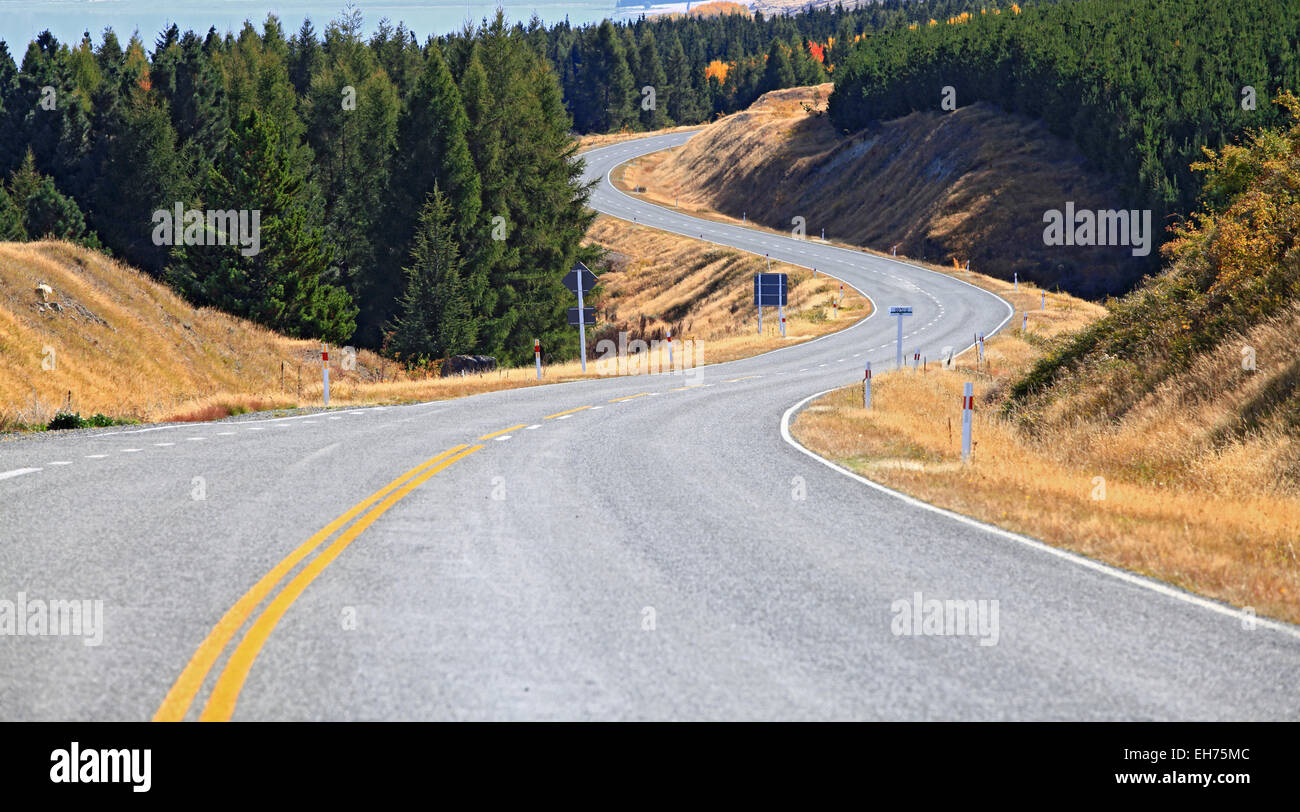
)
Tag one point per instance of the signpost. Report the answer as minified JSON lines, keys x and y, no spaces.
{"x":578,"y":280}
{"x":900,"y":311}
{"x":770,"y":291}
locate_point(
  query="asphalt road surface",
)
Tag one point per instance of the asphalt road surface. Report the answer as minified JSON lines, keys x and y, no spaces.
{"x":648,"y":547}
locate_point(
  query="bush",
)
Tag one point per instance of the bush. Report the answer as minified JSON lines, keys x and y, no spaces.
{"x":74,"y":420}
{"x":67,"y":420}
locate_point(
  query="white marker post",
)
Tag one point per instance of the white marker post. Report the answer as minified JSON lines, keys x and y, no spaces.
{"x":325,"y":369}
{"x":537,"y":356}
{"x":836,"y":306}
{"x":866,"y":387}
{"x":1044,"y":305}
{"x":1015,"y":280}
{"x":670,"y":349}
{"x":582,"y":328}
{"x":916,"y":360}
{"x":967,"y":417}
{"x":841,"y":291}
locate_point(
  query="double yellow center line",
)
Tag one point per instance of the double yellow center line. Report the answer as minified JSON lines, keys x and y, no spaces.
{"x":221,"y":703}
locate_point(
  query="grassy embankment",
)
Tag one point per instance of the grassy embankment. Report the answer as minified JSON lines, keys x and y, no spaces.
{"x":122,"y":344}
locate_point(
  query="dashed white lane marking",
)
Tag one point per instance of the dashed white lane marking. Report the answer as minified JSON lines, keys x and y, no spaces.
{"x":564,"y":417}
{"x":225,"y":434}
{"x":130,"y":450}
{"x":820,"y":365}
{"x":195,"y":439}
{"x":533,"y":426}
{"x":335,"y":418}
{"x":96,"y":456}
{"x":60,"y":462}
{"x":805,"y":369}
{"x":260,"y":428}
{"x":504,"y":437}
{"x":594,"y":408}
{"x":18,"y":472}
{"x":164,"y":444}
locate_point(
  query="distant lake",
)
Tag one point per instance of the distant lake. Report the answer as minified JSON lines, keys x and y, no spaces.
{"x":22,"y":20}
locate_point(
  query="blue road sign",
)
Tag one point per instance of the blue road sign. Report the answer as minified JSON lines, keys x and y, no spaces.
{"x":770,"y":289}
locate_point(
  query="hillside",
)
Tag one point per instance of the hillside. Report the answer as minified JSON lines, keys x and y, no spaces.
{"x":1164,"y":432}
{"x":122,"y":344}
{"x":1197,"y":368}
{"x":968,"y":185}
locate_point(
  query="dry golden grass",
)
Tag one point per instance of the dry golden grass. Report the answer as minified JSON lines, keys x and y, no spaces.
{"x":971,"y":184}
{"x":705,"y":292}
{"x":128,"y":347}
{"x":1211,"y":523}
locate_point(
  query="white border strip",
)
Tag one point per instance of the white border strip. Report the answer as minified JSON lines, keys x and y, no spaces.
{"x":1074,"y":558}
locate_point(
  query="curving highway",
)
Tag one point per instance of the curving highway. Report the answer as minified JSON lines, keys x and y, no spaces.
{"x":649,"y":547}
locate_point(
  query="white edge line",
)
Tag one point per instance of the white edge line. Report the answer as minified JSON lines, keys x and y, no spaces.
{"x":1075,"y":558}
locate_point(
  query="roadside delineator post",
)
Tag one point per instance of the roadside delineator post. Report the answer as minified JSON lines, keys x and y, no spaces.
{"x":537,"y":356}
{"x":325,"y":369}
{"x":1015,"y":280}
{"x":841,"y":291}
{"x":1043,"y":306}
{"x":670,"y":350}
{"x":866,"y":387}
{"x":967,"y":417}
{"x":1024,"y":322}
{"x":916,"y":360}
{"x":836,"y":305}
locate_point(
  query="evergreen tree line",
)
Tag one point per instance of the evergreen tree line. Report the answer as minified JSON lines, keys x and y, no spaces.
{"x":423,"y":198}
{"x":1141,"y":86}
{"x":701,"y":67}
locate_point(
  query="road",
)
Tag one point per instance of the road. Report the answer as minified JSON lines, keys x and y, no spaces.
{"x":648,"y":547}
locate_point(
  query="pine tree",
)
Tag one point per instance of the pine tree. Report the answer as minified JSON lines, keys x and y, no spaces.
{"x":779,"y":72}
{"x":678,"y":94}
{"x":651,"y":74}
{"x":434,"y":318}
{"x":484,"y":137}
{"x":284,"y":286}
{"x":139,"y":171}
{"x":11,"y":219}
{"x":606,"y":82}
{"x":431,"y":149}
